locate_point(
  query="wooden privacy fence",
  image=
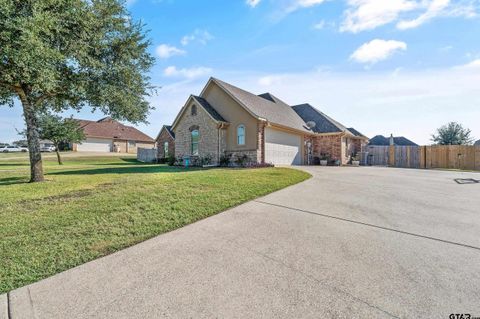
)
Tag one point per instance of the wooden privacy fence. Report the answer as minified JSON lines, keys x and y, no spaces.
{"x":147,"y":155}
{"x":437,"y":156}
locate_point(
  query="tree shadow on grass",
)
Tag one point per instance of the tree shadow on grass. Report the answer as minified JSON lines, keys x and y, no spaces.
{"x":13,"y":180}
{"x":127,"y":170}
{"x":13,"y":164}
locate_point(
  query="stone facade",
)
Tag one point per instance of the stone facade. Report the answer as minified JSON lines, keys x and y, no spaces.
{"x":260,"y":158}
{"x":252,"y":155}
{"x":163,"y":137}
{"x":209,"y":134}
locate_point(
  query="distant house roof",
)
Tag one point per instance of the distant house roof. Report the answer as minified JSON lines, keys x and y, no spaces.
{"x":109,"y":128}
{"x":323,"y":123}
{"x":210,"y":110}
{"x":265,"y":106}
{"x":477,"y":143}
{"x":381,"y":140}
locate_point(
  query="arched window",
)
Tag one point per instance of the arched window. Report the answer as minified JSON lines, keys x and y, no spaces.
{"x":165,"y":149}
{"x":241,"y":134}
{"x":195,"y":136}
{"x":194,"y":110}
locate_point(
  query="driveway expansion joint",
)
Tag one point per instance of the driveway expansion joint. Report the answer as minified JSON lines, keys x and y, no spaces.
{"x":370,"y":225}
{"x":304,"y":274}
{"x":9,"y":306}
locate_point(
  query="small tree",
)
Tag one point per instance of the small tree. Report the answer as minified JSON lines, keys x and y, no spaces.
{"x":19,"y":143}
{"x":59,"y":130}
{"x":452,"y":134}
{"x":61,"y":54}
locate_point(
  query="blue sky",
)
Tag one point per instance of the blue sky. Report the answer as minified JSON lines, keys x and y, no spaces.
{"x":383,"y":66}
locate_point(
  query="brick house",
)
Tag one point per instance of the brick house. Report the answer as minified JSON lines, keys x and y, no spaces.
{"x":165,"y":142}
{"x":225,"y":119}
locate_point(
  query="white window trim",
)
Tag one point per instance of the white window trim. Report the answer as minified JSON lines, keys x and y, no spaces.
{"x":244,"y":134}
{"x":198,"y":142}
{"x":165,"y":148}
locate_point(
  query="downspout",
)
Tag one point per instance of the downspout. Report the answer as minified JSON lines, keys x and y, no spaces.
{"x":219,"y":143}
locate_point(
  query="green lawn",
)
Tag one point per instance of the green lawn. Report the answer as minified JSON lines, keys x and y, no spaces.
{"x":93,"y":206}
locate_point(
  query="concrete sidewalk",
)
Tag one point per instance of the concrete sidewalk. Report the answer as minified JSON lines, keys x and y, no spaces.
{"x":350,"y":242}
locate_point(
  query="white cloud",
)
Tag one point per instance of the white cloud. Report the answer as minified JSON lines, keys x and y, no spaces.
{"x":308,"y":3}
{"x":166,"y":51}
{"x":320,"y":25}
{"x":475,"y":64}
{"x":369,"y":14}
{"x":269,"y":80}
{"x":377,"y":50}
{"x":252,"y":3}
{"x":364,"y":15}
{"x":434,"y":9}
{"x":200,"y":36}
{"x":299,"y":4}
{"x":189,"y":73}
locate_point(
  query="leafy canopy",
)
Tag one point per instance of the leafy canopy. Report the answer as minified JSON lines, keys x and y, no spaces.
{"x":73,"y":53}
{"x":452,"y":134}
{"x":58,"y":130}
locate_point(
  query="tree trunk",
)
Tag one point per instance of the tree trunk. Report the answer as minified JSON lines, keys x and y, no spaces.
{"x":36,"y":168}
{"x":59,"y":159}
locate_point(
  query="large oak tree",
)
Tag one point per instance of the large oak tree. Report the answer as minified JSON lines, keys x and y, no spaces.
{"x":61,"y":54}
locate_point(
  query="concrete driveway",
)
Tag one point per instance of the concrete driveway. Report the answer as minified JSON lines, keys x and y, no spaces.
{"x":348,"y":243}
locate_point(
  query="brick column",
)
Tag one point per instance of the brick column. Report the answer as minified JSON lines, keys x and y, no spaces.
{"x":261,"y":142}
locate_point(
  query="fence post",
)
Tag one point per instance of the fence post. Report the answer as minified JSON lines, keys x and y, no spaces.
{"x":391,"y":155}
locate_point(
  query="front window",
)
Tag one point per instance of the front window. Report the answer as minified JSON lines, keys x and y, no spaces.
{"x":241,"y":135}
{"x":165,"y":148}
{"x":195,"y":136}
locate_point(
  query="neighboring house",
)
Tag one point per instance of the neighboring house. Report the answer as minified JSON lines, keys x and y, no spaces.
{"x":165,"y":142}
{"x":107,"y":135}
{"x":381,"y":140}
{"x":477,"y":143}
{"x":225,"y":119}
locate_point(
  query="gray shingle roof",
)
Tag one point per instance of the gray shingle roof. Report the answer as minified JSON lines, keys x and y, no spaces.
{"x":355,"y":132}
{"x":209,"y":108}
{"x":266,"y":106}
{"x":381,"y":140}
{"x":323,"y":123}
{"x":477,"y":143}
{"x":169,"y":129}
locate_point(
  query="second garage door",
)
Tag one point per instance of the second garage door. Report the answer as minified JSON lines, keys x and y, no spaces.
{"x":95,"y":145}
{"x":282,"y":148}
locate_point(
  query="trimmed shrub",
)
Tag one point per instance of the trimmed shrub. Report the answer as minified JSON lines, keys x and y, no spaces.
{"x":242,"y":160}
{"x":170,"y":160}
{"x":226,"y":159}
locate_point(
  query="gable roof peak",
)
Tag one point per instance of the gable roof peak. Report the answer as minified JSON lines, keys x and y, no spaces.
{"x":268,"y":96}
{"x":266,"y":107}
{"x":323,"y":123}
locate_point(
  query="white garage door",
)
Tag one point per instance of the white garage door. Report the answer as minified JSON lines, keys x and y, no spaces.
{"x":282,"y":148}
{"x":95,"y":145}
